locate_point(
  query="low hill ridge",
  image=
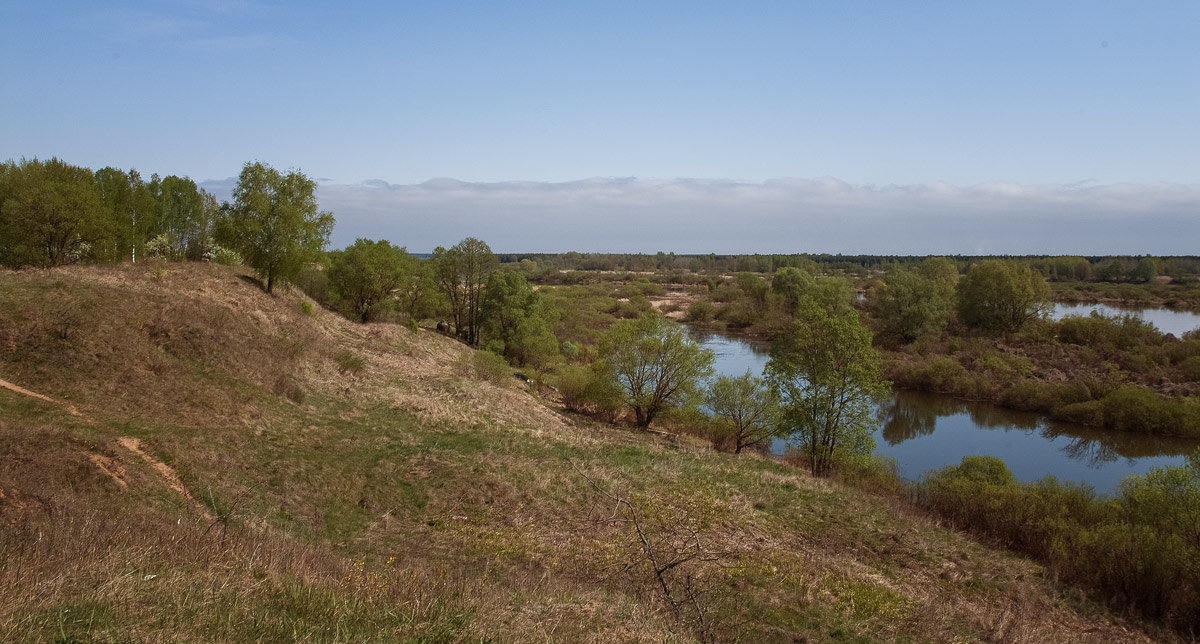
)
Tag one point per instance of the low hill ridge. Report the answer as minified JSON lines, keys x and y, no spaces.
{"x":369,"y":483}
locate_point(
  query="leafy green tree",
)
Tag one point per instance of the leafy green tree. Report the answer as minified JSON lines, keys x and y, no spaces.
{"x":274,"y":222}
{"x":792,"y":284}
{"x":516,"y":320}
{"x":418,"y":294}
{"x":655,"y":364}
{"x":796,"y":286}
{"x":461,"y":273}
{"x":51,"y":214}
{"x":365,"y":275}
{"x":1001,"y":296}
{"x":829,"y":381}
{"x":1147,"y":269}
{"x":748,"y":405}
{"x":755,"y":288}
{"x":908,"y":305}
{"x":185,"y":214}
{"x":943,"y":273}
{"x":130,"y":207}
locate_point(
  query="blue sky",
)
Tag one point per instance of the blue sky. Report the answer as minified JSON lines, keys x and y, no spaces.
{"x":1043,"y":126}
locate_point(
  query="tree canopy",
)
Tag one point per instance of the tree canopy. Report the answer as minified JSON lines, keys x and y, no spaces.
{"x":749,"y":407}
{"x":829,"y":380}
{"x":516,"y":321}
{"x":1001,"y":296}
{"x":908,"y":305}
{"x":655,"y":364}
{"x":462,"y":273}
{"x":274,"y":222}
{"x":51,"y":213}
{"x":365,"y":274}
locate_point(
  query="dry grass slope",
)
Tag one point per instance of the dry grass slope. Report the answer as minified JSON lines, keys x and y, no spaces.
{"x":364,"y":483}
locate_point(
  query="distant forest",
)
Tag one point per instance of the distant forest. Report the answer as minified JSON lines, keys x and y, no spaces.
{"x":1093,"y":268}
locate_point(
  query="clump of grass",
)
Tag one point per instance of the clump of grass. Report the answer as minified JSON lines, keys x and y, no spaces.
{"x":306,"y":307}
{"x":350,"y":363}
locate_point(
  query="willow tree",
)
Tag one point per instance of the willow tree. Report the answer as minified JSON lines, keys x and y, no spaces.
{"x":274,"y":222}
{"x":829,"y":381}
{"x":1001,"y":296}
{"x":655,"y":364}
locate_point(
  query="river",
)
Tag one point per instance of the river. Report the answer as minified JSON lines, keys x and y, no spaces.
{"x":922,"y":432}
{"x":1165,"y":320}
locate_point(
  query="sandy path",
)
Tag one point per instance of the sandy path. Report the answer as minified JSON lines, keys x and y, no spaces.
{"x":33,"y":394}
{"x":165,"y":471}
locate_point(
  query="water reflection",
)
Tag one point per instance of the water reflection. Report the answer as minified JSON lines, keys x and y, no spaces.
{"x":923,"y":432}
{"x":1165,"y":320}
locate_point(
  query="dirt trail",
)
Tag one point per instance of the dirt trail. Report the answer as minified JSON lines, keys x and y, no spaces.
{"x":33,"y":394}
{"x":166,"y":472}
{"x":114,"y":469}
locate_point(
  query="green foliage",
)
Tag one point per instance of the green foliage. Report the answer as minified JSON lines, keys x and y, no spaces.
{"x":700,"y":311}
{"x":797,"y":286}
{"x":461,"y":273}
{"x":590,"y":390}
{"x":516,"y":318}
{"x":749,"y":407}
{"x":223,"y":256}
{"x":306,"y":307}
{"x":1107,"y":333}
{"x":1001,"y":296}
{"x":942,"y":272}
{"x":655,"y":364}
{"x":161,"y":247}
{"x":1141,"y":550}
{"x":274,"y":222}
{"x":829,"y":380}
{"x":365,"y":274}
{"x":908,"y":305}
{"x":185,"y":214}
{"x":491,"y":367}
{"x":413,"y":326}
{"x":51,"y":213}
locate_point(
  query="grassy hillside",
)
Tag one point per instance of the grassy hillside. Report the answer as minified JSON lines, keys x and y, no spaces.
{"x":216,"y":464}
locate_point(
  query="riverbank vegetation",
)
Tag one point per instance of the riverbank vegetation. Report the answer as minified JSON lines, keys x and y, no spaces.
{"x":1140,"y":549}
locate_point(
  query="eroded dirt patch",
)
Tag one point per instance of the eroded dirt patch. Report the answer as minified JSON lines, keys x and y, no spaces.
{"x":165,"y":471}
{"x":33,"y":394}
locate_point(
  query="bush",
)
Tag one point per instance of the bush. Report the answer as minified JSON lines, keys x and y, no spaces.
{"x":223,"y":256}
{"x":491,"y":367}
{"x":700,"y":311}
{"x":306,"y":307}
{"x":161,"y":247}
{"x":349,"y":362}
{"x":588,"y":390}
{"x":1140,"y":550}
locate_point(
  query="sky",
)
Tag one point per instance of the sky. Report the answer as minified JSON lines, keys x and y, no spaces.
{"x":841,"y":127}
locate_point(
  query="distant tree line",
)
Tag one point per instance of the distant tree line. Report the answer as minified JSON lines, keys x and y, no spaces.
{"x":1113,"y":269}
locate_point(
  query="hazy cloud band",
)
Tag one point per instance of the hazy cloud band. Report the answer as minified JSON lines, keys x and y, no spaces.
{"x":784,"y":215}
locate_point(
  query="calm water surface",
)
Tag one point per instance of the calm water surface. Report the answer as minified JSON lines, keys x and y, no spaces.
{"x":928,"y":431}
{"x":1166,"y":320}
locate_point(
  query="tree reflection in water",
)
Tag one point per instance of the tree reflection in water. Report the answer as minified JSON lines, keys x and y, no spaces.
{"x":914,"y":414}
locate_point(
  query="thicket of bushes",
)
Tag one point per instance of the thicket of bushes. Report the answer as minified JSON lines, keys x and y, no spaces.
{"x":1140,"y":549}
{"x":1113,"y":366}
